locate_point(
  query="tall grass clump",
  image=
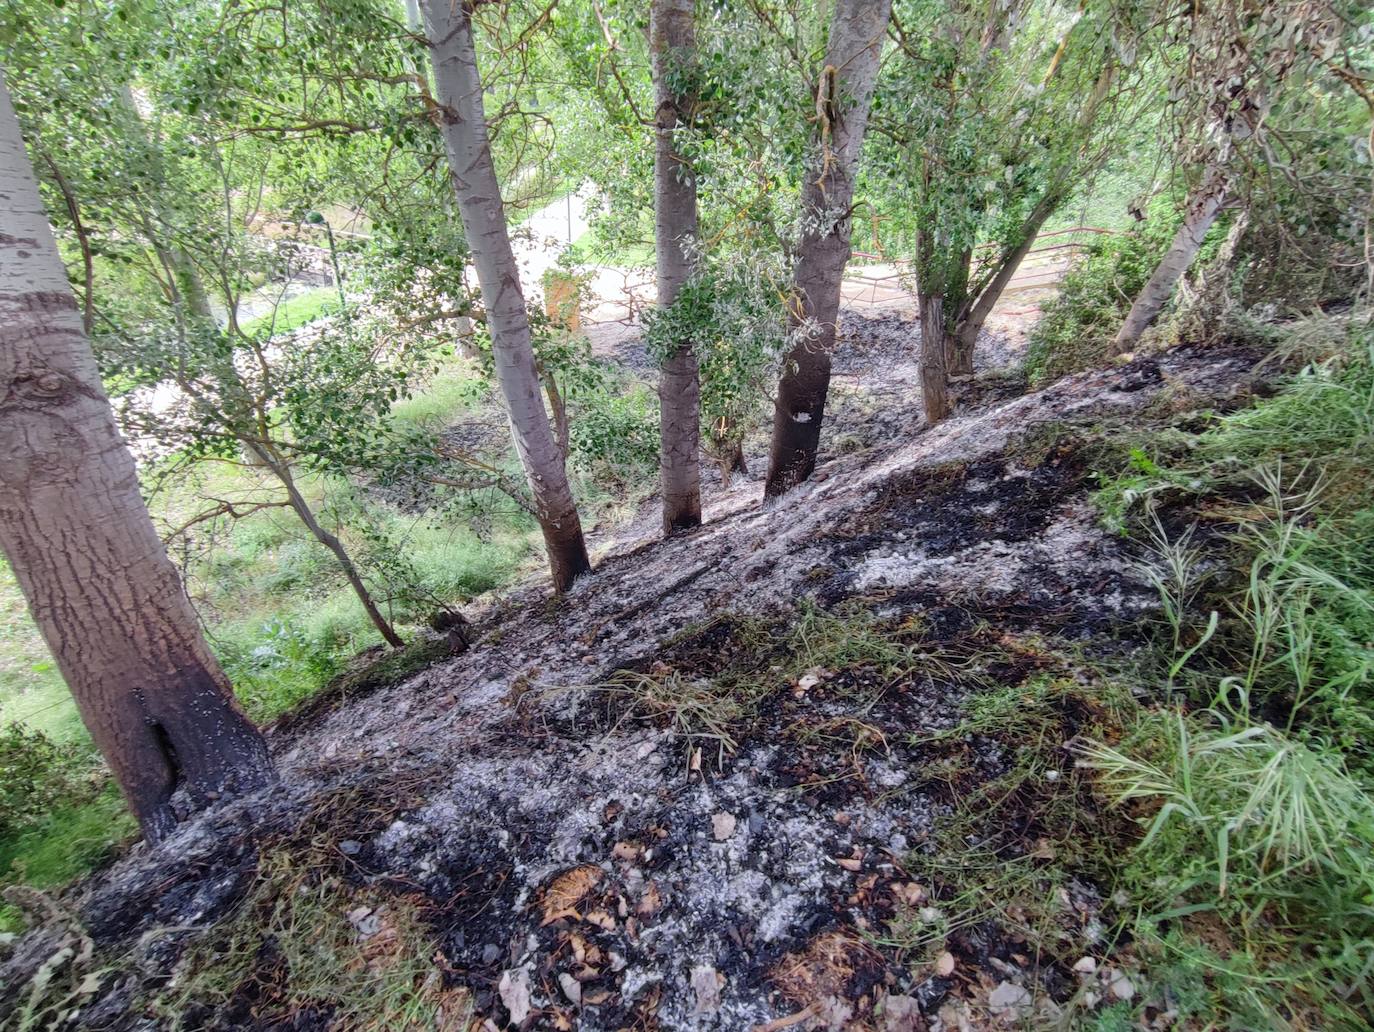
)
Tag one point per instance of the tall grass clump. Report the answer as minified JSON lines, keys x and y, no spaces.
{"x":1254,"y":776}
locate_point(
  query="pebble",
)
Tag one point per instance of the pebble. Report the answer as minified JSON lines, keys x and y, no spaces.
{"x":1121,"y":987}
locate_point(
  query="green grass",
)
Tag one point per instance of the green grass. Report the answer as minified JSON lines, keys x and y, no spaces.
{"x":65,"y":844}
{"x":295,"y":312}
{"x":1256,"y":795}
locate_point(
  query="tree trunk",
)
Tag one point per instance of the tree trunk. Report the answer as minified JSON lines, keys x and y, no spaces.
{"x":464,"y":128}
{"x":934,"y":347}
{"x":1204,"y":206}
{"x":268,"y":459}
{"x":102,"y":591}
{"x":971,"y":321}
{"x":672,"y":38}
{"x":846,"y":86}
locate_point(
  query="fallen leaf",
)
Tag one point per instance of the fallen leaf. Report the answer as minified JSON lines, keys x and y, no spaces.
{"x":650,"y":901}
{"x":514,"y":990}
{"x":567,"y":890}
{"x":601,"y":919}
{"x":910,"y":893}
{"x":849,"y":863}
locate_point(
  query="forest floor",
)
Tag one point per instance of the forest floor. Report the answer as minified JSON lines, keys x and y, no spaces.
{"x":812,"y":765}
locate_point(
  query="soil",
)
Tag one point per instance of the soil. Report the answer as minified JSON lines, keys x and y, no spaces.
{"x":587,"y":857}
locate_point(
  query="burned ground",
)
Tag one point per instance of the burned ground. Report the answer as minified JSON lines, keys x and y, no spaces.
{"x":811,"y":765}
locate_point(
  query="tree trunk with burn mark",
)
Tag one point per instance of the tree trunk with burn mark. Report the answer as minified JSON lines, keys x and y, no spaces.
{"x":1204,"y":206}
{"x":847,"y":78}
{"x":73,"y":525}
{"x":672,"y":37}
{"x":464,"y":128}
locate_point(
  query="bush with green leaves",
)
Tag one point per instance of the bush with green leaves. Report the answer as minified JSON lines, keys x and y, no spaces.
{"x":35,"y":774}
{"x":1076,"y":327}
{"x":613,"y":431}
{"x":1258,"y":799}
{"x":732,"y":312}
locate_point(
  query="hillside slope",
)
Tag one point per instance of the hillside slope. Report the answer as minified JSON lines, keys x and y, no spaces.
{"x":809,"y":766}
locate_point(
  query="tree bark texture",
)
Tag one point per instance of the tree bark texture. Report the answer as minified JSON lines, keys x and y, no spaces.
{"x":105,"y":597}
{"x":464,"y":128}
{"x":1205,"y":204}
{"x":672,"y":37}
{"x":934,"y":348}
{"x":844,"y":91}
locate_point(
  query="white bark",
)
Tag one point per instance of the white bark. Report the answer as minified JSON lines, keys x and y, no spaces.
{"x":463,"y":125}
{"x":1204,"y":206}
{"x":73,"y":525}
{"x":672,"y":38}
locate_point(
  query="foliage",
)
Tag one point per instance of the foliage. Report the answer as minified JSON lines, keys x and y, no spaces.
{"x":732,"y":311}
{"x":983,"y":122}
{"x":1258,"y":803}
{"x":77,"y":834}
{"x":614,"y":430}
{"x":1077,"y":325}
{"x":35,"y":772}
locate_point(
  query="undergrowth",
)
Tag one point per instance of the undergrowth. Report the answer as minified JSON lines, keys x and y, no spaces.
{"x":1252,"y":775}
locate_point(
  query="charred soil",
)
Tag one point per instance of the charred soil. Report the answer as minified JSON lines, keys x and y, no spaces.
{"x":810,"y":765}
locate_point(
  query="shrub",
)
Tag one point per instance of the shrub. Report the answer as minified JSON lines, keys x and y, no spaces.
{"x":613,"y":433}
{"x":1076,"y":328}
{"x":35,"y":773}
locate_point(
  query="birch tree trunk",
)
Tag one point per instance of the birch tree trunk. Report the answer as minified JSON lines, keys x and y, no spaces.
{"x":464,"y":127}
{"x":672,"y":37}
{"x":1204,"y":206}
{"x":97,"y":579}
{"x":845,"y":89}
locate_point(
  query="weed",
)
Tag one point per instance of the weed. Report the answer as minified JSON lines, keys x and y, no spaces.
{"x":308,"y":945}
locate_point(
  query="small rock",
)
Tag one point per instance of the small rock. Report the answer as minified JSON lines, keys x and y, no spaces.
{"x":755,"y":822}
{"x":706,"y":984}
{"x":722,"y":826}
{"x":365,"y":922}
{"x":1009,"y":1001}
{"x":514,"y":990}
{"x":902,"y":1014}
{"x":491,"y":953}
{"x":350,"y":848}
{"x":571,"y":987}
{"x":1085,"y":965}
{"x":944,"y":964}
{"x":1121,"y":986}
